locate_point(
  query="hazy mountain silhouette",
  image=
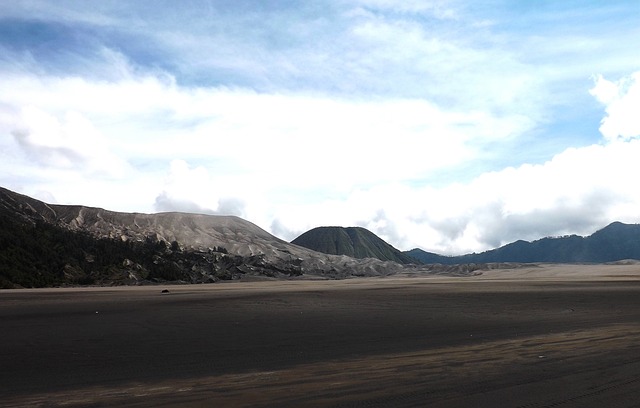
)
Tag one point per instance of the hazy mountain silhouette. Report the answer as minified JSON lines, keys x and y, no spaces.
{"x":615,"y":242}
{"x":355,"y":242}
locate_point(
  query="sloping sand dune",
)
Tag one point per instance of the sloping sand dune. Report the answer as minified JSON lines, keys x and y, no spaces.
{"x":619,"y":270}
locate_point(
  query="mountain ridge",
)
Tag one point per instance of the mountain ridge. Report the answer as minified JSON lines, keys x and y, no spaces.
{"x":45,"y":244}
{"x":190,"y":248}
{"x":615,"y":242}
{"x":356,"y":242}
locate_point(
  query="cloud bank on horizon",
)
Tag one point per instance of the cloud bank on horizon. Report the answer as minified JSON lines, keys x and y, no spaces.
{"x":449,"y":125}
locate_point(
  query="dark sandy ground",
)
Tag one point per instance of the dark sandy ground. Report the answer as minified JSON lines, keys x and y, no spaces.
{"x":392,"y":342}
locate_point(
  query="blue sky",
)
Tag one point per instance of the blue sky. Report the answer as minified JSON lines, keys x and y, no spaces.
{"x":453,"y":126}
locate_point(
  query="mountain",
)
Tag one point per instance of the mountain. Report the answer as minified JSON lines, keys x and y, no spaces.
{"x":355,"y":242}
{"x":615,"y":242}
{"x":48,"y":245}
{"x":429,"y":257}
{"x":52,"y":245}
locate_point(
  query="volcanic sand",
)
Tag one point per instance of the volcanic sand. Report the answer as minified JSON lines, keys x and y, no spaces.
{"x":541,"y":336}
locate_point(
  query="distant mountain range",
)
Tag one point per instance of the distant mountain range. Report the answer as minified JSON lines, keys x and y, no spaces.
{"x":615,"y":242}
{"x":355,"y":242}
{"x":51,"y":245}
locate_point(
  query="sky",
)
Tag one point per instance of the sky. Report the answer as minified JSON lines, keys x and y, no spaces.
{"x":448,"y":125}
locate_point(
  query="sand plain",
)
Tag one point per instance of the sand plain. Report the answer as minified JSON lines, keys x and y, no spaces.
{"x":541,"y":336}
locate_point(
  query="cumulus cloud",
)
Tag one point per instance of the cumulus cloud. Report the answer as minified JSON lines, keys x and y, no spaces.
{"x":72,"y":143}
{"x":622,"y":106}
{"x":395,"y":117}
{"x":231,"y":206}
{"x":278,"y":146}
{"x":241,"y":131}
{"x":275,"y":158}
{"x":166,"y":203}
{"x":186,"y":189}
{"x":576,"y":192}
{"x":193,"y":189}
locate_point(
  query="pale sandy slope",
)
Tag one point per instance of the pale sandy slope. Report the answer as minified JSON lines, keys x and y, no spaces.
{"x":624,"y":270}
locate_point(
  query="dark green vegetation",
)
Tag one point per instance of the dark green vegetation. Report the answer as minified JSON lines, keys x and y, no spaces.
{"x":355,"y":242}
{"x":615,"y":242}
{"x":39,"y":254}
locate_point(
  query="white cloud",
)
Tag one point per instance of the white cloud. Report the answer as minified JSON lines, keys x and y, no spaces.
{"x":296,"y":161}
{"x":437,"y":63}
{"x":72,"y":142}
{"x":187,"y":189}
{"x":622,"y":101}
{"x":443,"y":9}
{"x":345,"y":115}
{"x":578,"y":191}
{"x":284,"y":139}
{"x":193,"y":189}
